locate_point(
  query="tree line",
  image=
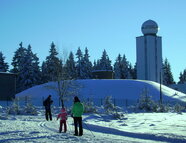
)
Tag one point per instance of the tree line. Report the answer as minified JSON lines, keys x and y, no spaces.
{"x":30,"y":72}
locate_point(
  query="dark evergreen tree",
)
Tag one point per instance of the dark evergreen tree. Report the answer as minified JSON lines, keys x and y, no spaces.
{"x":97,"y":65}
{"x":94,"y":65}
{"x":70,"y":68}
{"x":18,"y":63}
{"x":37,"y":70}
{"x":53,"y":65}
{"x":17,"y":59}
{"x":104,"y":62}
{"x":182,"y":77}
{"x":125,"y":68}
{"x":79,"y":64}
{"x":131,"y":71}
{"x":26,"y":70}
{"x":167,"y":74}
{"x":118,"y":67}
{"x":121,"y":68}
{"x":3,"y":65}
{"x":86,"y":65}
{"x":27,"y":67}
{"x":31,"y":70}
{"x":44,"y":74}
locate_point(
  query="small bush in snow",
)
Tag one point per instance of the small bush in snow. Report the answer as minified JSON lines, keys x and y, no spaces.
{"x":110,"y":109}
{"x":89,"y":107}
{"x":29,"y":109}
{"x":118,"y":115}
{"x":108,"y":105}
{"x":163,"y":108}
{"x":14,"y":108}
{"x":146,"y":103}
{"x":178,"y":108}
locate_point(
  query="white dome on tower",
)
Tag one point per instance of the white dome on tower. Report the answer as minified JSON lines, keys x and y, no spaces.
{"x":149,"y":27}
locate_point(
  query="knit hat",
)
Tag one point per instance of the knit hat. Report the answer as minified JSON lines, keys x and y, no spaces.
{"x":76,"y":99}
{"x":63,"y":110}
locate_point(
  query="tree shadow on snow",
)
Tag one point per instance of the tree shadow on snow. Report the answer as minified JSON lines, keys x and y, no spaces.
{"x":107,"y":130}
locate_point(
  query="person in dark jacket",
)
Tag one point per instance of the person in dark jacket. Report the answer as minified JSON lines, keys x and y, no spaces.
{"x":77,"y":111}
{"x":47,"y":103}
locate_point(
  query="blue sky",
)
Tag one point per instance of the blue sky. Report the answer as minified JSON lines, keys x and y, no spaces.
{"x":96,"y":24}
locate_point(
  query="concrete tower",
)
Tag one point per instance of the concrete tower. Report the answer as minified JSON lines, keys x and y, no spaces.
{"x":149,"y":52}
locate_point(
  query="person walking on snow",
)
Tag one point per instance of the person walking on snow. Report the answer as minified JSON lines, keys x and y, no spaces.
{"x":63,"y":118}
{"x":77,"y":111}
{"x":47,"y":103}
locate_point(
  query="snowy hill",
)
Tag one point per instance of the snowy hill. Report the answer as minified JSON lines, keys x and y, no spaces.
{"x":118,"y":89}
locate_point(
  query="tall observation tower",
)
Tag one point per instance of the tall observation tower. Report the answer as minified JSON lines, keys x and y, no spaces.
{"x":149,"y":52}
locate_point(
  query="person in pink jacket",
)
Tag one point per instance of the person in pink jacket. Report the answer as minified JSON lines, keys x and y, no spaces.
{"x":63,"y":117}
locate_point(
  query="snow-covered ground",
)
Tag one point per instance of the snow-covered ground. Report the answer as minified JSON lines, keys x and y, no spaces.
{"x":98,"y":128}
{"x":134,"y":128}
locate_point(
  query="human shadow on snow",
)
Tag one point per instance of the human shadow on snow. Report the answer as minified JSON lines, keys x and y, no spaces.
{"x":107,"y":130}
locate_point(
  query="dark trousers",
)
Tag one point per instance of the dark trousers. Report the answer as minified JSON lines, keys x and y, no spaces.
{"x":48,"y":114}
{"x":63,"y":122}
{"x":78,"y":121}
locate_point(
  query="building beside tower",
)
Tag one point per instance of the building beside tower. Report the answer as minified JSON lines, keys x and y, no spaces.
{"x":149,"y":53}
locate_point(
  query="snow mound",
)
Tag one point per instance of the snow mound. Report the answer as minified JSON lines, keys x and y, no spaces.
{"x":118,"y":89}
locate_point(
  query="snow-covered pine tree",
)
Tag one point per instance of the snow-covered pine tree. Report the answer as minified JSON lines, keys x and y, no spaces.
{"x":89,"y":107}
{"x":17,"y":59}
{"x":167,"y":74}
{"x":29,"y":108}
{"x":14,"y":108}
{"x":17,"y":63}
{"x":145,"y":101}
{"x":70,"y":68}
{"x":111,"y":109}
{"x":87,"y":65}
{"x":29,"y":70}
{"x":26,"y":69}
{"x":108,"y":105}
{"x":52,"y":64}
{"x":105,"y":62}
{"x":3,"y":65}
{"x":121,"y":68}
{"x":79,"y":63}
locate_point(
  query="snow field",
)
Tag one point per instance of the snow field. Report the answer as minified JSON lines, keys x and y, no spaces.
{"x":134,"y":128}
